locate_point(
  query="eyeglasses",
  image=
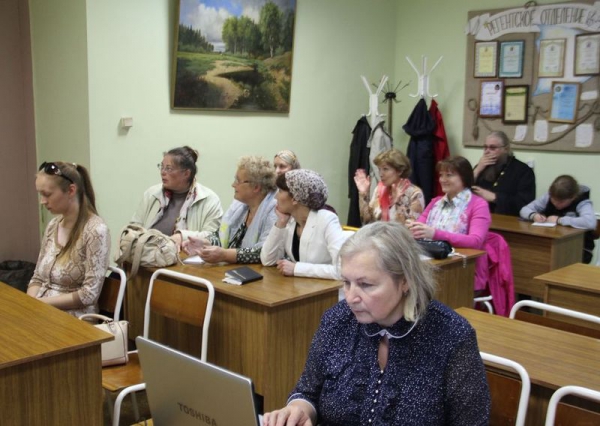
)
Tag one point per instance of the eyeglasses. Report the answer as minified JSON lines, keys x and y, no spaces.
{"x":492,"y":147}
{"x":167,"y":169}
{"x":53,"y":169}
{"x":236,"y":181}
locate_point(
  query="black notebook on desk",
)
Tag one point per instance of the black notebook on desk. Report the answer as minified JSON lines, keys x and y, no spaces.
{"x":241,"y":275}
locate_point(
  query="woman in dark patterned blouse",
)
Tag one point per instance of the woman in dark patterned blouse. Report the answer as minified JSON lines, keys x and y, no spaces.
{"x":248,"y":220}
{"x":389,"y":354}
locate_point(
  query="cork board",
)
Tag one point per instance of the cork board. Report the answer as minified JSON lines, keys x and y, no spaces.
{"x":561,"y":110}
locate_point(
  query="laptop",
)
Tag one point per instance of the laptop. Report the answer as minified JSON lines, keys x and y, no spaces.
{"x":182,"y":390}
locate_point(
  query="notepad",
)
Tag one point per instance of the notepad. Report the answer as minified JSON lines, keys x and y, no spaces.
{"x":241,"y":275}
{"x":193,"y":260}
{"x":544,"y":224}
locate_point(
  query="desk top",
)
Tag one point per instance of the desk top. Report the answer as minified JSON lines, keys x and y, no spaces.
{"x":273,"y":290}
{"x":33,"y":330}
{"x":514,"y":224}
{"x":553,"y":358}
{"x":578,"y":276}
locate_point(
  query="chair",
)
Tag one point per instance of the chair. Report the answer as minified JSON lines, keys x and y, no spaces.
{"x":509,"y":397}
{"x":515,"y":313}
{"x":111,"y":297}
{"x":180,"y":302}
{"x":560,"y":413}
{"x":499,"y":280}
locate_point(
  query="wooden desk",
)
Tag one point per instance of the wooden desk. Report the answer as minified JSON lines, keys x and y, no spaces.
{"x":263,"y":329}
{"x":455,"y":277}
{"x":553,"y":358}
{"x":537,"y":250}
{"x":576,"y":286}
{"x":50,"y":364}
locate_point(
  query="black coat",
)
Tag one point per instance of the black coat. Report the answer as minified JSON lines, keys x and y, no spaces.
{"x":514,"y":188}
{"x":359,"y":159}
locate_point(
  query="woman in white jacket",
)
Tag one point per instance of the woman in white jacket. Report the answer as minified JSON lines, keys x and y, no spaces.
{"x":306,"y":238}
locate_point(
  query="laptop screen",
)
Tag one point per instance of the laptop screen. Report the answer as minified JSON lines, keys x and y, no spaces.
{"x":182,"y":390}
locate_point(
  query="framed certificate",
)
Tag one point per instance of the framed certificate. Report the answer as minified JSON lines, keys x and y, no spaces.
{"x":515,"y":104}
{"x":565,"y":101}
{"x":587,"y":54}
{"x":511,"y":59}
{"x":486,"y":58}
{"x":552,"y":57}
{"x":490,"y":98}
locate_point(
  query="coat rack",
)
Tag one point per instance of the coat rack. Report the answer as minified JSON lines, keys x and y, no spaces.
{"x":373,"y":115}
{"x":423,"y":89}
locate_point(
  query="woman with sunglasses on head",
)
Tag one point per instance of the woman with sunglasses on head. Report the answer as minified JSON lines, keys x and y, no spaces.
{"x":179,"y":206}
{"x":76,"y":245}
{"x":306,"y":237}
{"x":248,"y":220}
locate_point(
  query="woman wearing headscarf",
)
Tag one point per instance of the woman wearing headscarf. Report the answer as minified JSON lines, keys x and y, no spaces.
{"x":248,"y":220}
{"x":306,"y":237}
{"x":179,"y":206}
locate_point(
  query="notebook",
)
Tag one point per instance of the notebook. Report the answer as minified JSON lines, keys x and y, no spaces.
{"x":182,"y":390}
{"x":241,"y":275}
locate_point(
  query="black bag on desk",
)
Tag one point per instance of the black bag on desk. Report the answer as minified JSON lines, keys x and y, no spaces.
{"x":438,"y":249}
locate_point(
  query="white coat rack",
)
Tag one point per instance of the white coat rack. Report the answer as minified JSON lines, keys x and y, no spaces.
{"x":423,"y":77}
{"x":373,"y":115}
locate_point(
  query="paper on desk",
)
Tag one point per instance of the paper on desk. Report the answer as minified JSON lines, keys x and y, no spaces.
{"x":193,"y":260}
{"x":544,"y":224}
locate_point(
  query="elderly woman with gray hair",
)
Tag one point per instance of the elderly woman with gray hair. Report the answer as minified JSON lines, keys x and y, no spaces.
{"x":248,"y":220}
{"x":389,"y":354}
{"x":306,"y":237}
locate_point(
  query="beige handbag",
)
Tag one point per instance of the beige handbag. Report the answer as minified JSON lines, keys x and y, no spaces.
{"x":145,"y":247}
{"x":115,"y":351}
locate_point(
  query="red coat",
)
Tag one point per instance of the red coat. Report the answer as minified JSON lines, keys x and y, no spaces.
{"x":440,"y":144}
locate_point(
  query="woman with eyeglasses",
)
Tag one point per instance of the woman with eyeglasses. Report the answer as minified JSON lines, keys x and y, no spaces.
{"x":179,"y":206}
{"x":75,"y":248}
{"x":306,"y":237}
{"x":248,"y":220}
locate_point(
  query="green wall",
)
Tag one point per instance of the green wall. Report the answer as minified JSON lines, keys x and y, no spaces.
{"x":98,"y":61}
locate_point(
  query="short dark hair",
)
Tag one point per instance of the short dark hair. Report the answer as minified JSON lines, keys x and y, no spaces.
{"x":564,"y":187}
{"x":459,"y":165}
{"x":185,"y":158}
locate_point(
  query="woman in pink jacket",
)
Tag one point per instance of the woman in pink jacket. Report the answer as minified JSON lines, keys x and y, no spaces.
{"x":459,"y":217}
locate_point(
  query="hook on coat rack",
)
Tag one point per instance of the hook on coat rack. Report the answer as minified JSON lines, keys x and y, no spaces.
{"x":423,"y":77}
{"x":374,"y":116}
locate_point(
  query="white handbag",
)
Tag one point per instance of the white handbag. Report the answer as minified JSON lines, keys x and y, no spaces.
{"x":115,"y":351}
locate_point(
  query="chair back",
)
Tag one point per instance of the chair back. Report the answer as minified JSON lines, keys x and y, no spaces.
{"x":563,"y":414}
{"x":509,"y":396}
{"x":517,"y":313}
{"x":189,"y":304}
{"x":111,"y":297}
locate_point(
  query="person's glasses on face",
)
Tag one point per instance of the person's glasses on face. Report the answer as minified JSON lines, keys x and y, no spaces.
{"x":492,"y":147}
{"x":237,"y":181}
{"x":53,"y":169}
{"x":166,"y":169}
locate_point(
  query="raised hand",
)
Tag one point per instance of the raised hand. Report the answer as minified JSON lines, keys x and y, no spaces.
{"x":362,"y":181}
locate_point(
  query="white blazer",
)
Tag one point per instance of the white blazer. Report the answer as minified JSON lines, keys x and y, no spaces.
{"x":320,"y":242}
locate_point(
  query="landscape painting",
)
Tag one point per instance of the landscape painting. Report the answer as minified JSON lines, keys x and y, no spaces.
{"x":234,"y":55}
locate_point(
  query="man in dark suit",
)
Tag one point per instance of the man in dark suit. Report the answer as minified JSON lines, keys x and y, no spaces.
{"x":506,"y":183}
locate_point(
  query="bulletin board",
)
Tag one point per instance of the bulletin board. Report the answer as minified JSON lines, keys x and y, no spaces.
{"x":534,"y":73}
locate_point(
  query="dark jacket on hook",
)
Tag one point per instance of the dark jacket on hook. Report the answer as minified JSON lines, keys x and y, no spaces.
{"x":359,"y":159}
{"x":420,"y":127}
